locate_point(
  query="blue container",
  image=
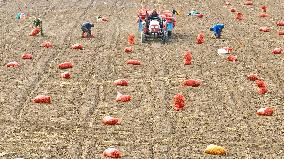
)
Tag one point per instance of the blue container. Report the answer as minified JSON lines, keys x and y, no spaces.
{"x":140,"y":25}
{"x":170,"y":26}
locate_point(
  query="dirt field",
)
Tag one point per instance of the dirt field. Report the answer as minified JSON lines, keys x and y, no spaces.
{"x":221,"y":111}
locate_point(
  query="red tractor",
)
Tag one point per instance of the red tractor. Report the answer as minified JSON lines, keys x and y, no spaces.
{"x":157,"y":27}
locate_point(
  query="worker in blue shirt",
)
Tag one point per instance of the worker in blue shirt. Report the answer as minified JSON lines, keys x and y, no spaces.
{"x":217,"y":29}
{"x":86,"y":28}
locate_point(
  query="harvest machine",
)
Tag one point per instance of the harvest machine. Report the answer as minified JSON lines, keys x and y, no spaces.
{"x":157,"y":28}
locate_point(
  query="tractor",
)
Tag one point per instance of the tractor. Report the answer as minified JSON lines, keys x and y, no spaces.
{"x":157,"y":28}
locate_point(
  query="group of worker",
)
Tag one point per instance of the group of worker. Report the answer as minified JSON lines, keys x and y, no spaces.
{"x":87,"y":26}
{"x":217,"y":29}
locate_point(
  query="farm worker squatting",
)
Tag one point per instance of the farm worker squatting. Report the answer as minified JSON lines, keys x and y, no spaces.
{"x":86,"y":28}
{"x":38,"y":23}
{"x":217,"y":29}
{"x":21,"y":16}
{"x":23,"y":11}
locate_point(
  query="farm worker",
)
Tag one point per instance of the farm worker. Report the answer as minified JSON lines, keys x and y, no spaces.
{"x":23,"y":11}
{"x":154,"y":14}
{"x":86,"y":28}
{"x":23,"y":16}
{"x":175,"y":12}
{"x":99,"y":17}
{"x":18,"y":16}
{"x":217,"y":29}
{"x":193,"y":13}
{"x":38,"y":23}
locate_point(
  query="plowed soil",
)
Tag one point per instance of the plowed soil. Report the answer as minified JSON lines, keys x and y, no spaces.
{"x":221,"y":111}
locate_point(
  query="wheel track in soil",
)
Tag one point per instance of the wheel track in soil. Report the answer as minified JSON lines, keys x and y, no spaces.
{"x":171,"y":118}
{"x":35,"y":80}
{"x":103,"y":87}
{"x":151,"y":98}
{"x":76,"y":148}
{"x":236,"y":27}
{"x":151,"y":128}
{"x":24,"y":26}
{"x":233,"y":96}
{"x":166,"y":115}
{"x":161,"y":147}
{"x":215,"y":13}
{"x":98,"y":85}
{"x":149,"y":88}
{"x":45,"y":72}
{"x":88,"y":75}
{"x":95,"y":89}
{"x":160,"y":59}
{"x":165,"y":118}
{"x":160,"y":81}
{"x":211,"y":12}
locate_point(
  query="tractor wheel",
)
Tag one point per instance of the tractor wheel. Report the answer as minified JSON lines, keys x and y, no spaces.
{"x":143,"y":37}
{"x":169,"y":33}
{"x":165,"y":37}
